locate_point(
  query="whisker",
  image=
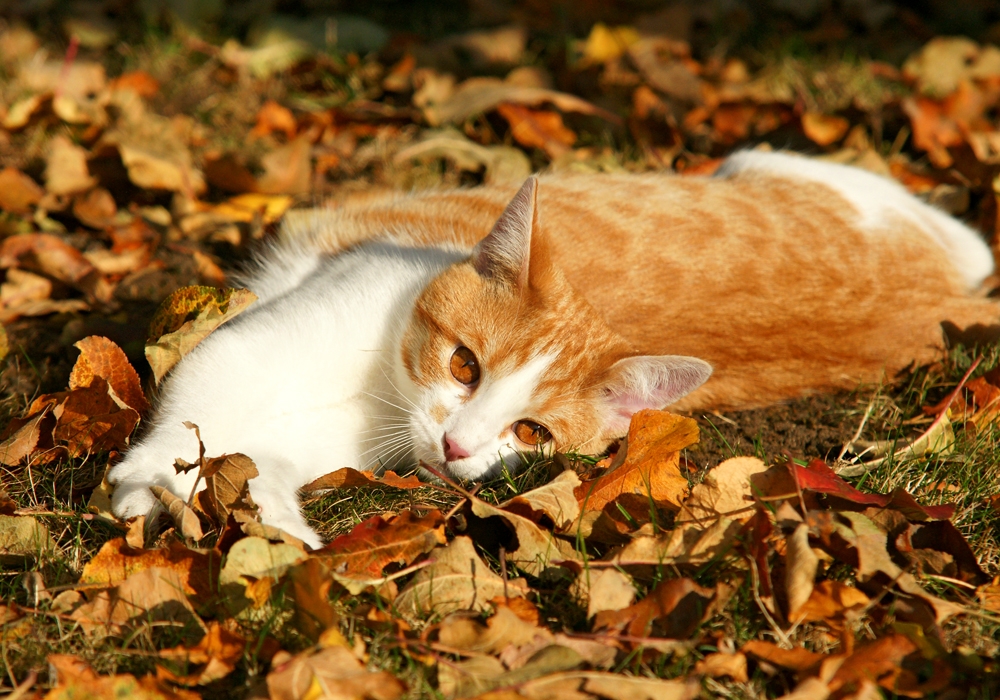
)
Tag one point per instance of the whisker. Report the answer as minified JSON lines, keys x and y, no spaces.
{"x":390,"y":403}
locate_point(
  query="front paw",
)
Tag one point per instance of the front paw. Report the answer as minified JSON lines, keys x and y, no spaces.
{"x":131,"y":499}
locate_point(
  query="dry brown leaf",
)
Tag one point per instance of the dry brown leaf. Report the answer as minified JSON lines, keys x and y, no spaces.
{"x":180,"y":512}
{"x":24,"y":436}
{"x":332,"y":673}
{"x":226,"y":487}
{"x":100,"y":357}
{"x":537,"y":128}
{"x":503,"y":164}
{"x":536,"y":548}
{"x":22,"y":287}
{"x":606,"y":43}
{"x":478,"y":95}
{"x":117,"y":686}
{"x":828,"y":601}
{"x":801,"y":564}
{"x":50,"y":255}
{"x":797,"y":659}
{"x":647,"y":465}
{"x":555,"y":500}
{"x":18,"y":192}
{"x":719,"y":665}
{"x":150,"y":595}
{"x":79,"y":79}
{"x":824,"y":129}
{"x":96,"y":208}
{"x":273,"y":117}
{"x":362,"y":554}
{"x":665,"y":65}
{"x":116,"y":561}
{"x":20,"y":113}
{"x":603,"y":589}
{"x":214,"y":657}
{"x":352,"y":478}
{"x":674,"y":609}
{"x":138,"y":81}
{"x":66,"y":170}
{"x":310,"y":583}
{"x":268,"y":208}
{"x":213,"y":306}
{"x":725,"y":490}
{"x":456,"y":579}
{"x":23,"y":539}
{"x":288,"y":169}
{"x":88,"y":419}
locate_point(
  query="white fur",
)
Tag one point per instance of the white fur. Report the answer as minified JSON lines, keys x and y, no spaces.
{"x":878,"y":202}
{"x":301,"y":383}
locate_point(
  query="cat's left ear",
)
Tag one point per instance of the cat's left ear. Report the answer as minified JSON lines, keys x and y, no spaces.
{"x":649,"y":381}
{"x":505,"y":254}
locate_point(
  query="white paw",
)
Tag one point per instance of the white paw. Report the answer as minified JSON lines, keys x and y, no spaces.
{"x":131,"y":499}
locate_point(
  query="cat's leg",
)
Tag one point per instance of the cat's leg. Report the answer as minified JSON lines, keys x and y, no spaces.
{"x":277,"y":496}
{"x":144,"y":467}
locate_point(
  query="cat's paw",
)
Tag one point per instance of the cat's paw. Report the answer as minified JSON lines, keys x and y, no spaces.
{"x":130,"y":499}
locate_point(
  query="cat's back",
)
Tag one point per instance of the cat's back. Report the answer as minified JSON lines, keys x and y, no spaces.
{"x":784,"y":272}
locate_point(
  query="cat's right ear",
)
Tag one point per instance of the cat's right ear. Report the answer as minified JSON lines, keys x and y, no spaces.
{"x":649,"y":381}
{"x":505,"y":253}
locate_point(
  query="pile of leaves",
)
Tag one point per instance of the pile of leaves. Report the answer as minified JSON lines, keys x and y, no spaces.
{"x":721,"y":580}
{"x":131,"y":173}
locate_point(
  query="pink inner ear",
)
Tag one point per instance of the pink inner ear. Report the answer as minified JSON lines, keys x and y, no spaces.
{"x":650,"y":382}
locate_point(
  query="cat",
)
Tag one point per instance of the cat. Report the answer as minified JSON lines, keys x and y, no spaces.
{"x":466,"y":328}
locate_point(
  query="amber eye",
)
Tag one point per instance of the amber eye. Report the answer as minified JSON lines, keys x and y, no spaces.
{"x":531,"y":433}
{"x":465,"y":366}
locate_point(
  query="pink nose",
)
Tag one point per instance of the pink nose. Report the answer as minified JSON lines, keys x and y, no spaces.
{"x":452,"y":450}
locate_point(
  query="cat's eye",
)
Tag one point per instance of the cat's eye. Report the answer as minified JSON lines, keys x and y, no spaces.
{"x":465,"y":366}
{"x":531,"y":433}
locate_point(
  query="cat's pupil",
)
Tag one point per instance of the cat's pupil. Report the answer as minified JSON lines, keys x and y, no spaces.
{"x":531,"y":433}
{"x":465,"y":366}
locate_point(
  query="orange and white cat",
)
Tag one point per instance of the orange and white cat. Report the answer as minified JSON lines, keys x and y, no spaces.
{"x":394,"y":329}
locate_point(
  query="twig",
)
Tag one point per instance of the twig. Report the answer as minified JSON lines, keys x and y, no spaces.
{"x":857,"y":434}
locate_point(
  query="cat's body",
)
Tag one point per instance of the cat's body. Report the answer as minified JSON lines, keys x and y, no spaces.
{"x":785,"y":274}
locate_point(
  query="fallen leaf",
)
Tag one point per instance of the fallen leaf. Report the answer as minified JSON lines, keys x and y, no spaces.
{"x":456,"y":579}
{"x":310,"y":585}
{"x":690,"y":544}
{"x":18,"y":192}
{"x":503,"y":164}
{"x":605,"y":43}
{"x":255,"y":558}
{"x":66,"y":170}
{"x":555,"y":500}
{"x":801,"y":564}
{"x":226,"y":487}
{"x":332,"y":673}
{"x":100,"y":357}
{"x":23,"y":539}
{"x":725,"y":490}
{"x":116,"y":561}
{"x":273,"y":117}
{"x":288,"y":169}
{"x":215,"y":656}
{"x":720,"y":665}
{"x":537,"y":128}
{"x":117,"y":686}
{"x":603,"y":589}
{"x":648,"y":463}
{"x":51,"y":256}
{"x":175,"y":336}
{"x":796,"y":659}
{"x":352,"y":478}
{"x":359,"y":557}
{"x":824,"y":129}
{"x":674,"y":609}
{"x":25,"y":437}
{"x":96,"y":208}
{"x":828,"y":601}
{"x":478,"y":95}
{"x":664,"y":64}
{"x":138,"y":81}
{"x":247,"y":207}
{"x":185,"y":519}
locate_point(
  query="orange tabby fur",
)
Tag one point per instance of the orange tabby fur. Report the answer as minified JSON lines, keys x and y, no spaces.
{"x":764,"y":277}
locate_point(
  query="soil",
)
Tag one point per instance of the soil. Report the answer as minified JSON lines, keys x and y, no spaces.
{"x":813,"y":426}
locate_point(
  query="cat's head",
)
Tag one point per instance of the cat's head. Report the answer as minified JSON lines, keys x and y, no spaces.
{"x":504,"y":357}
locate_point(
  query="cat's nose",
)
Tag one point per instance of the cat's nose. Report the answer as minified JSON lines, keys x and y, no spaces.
{"x":452,"y":450}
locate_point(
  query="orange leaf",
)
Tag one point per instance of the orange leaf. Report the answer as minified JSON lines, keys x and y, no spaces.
{"x":139,"y":81}
{"x":100,"y":357}
{"x":824,"y":129}
{"x":537,"y":128}
{"x":273,"y":117}
{"x":348,"y":478}
{"x":215,"y":656}
{"x":375,"y":543}
{"x":116,"y":561}
{"x":18,"y":192}
{"x":648,"y":464}
{"x":678,"y":605}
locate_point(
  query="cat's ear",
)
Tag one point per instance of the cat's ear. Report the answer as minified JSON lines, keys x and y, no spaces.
{"x":506,"y":252}
{"x":649,"y":381}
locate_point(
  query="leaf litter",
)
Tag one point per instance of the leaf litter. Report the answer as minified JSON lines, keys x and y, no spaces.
{"x":665,"y":569}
